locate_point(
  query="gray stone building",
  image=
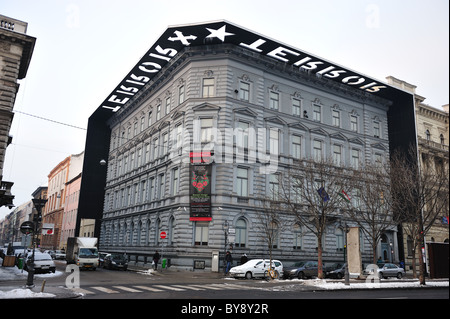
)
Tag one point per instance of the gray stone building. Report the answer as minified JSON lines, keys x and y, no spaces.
{"x":254,"y":110}
{"x":16,"y":49}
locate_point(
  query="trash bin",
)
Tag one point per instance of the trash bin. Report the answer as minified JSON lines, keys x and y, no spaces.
{"x":164,"y":263}
{"x":20,"y":263}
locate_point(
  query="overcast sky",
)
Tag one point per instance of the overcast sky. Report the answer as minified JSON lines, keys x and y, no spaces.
{"x":85,"y":48}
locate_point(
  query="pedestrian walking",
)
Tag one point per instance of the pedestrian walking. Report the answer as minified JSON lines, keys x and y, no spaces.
{"x":229,"y":260}
{"x":156,"y":257}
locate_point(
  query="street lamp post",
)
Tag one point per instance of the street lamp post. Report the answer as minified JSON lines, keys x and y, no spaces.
{"x":346,"y":273}
{"x":38,"y":204}
{"x":225,"y":228}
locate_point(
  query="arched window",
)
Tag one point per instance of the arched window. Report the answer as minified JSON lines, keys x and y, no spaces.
{"x":442,"y":139}
{"x":241,"y":233}
{"x":428,"y":135}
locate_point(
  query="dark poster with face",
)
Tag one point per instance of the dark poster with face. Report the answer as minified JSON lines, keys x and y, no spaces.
{"x":200,"y":187}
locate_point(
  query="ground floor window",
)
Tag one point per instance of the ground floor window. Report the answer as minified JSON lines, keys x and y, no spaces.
{"x":201,"y":233}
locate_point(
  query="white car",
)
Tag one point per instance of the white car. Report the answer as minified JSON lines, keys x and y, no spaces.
{"x":257,"y":268}
{"x":43,"y":262}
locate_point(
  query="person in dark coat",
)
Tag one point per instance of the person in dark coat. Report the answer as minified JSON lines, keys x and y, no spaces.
{"x":156,"y":257}
{"x":229,"y":260}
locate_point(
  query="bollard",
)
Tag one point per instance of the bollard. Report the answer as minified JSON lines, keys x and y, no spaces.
{"x":43,"y":285}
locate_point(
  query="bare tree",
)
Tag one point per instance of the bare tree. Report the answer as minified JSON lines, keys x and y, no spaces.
{"x":421,"y":195}
{"x":369,"y":204}
{"x":310,"y":195}
{"x":271,"y":221}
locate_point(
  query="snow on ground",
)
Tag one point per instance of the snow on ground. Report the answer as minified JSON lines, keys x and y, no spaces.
{"x":21,"y":293}
{"x":384,"y":283}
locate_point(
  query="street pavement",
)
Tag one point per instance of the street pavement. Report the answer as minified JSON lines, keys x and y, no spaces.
{"x":215,"y":279}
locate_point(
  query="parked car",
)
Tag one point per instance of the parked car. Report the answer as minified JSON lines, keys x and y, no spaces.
{"x":115,"y":261}
{"x":50,"y":252}
{"x":256,"y":268}
{"x":386,"y":270}
{"x":43,"y":262}
{"x":302,"y":270}
{"x":60,"y":254}
{"x":336,"y":270}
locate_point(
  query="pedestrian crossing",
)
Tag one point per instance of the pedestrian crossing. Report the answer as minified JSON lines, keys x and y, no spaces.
{"x":117,"y":289}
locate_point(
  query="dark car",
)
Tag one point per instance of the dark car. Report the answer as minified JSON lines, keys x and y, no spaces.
{"x":336,"y":270}
{"x":115,"y":261}
{"x":302,"y":270}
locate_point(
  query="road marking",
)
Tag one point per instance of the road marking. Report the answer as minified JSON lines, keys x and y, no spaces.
{"x":148,"y":288}
{"x":207,"y":287}
{"x":107,"y":290}
{"x":169,"y":287}
{"x":127,"y":289}
{"x":188,"y":287}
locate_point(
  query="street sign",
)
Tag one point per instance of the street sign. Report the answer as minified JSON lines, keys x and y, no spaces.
{"x":48,"y":229}
{"x":163,"y":235}
{"x":27,"y":227}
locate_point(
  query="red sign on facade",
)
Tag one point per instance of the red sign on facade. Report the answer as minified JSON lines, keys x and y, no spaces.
{"x":163,"y":235}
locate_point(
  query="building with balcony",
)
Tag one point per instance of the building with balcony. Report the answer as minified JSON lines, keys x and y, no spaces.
{"x":16,"y":49}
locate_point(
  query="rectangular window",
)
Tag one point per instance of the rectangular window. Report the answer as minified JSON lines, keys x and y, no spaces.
{"x":181,"y":96}
{"x":161,"y":186}
{"x":274,"y":141}
{"x":143,"y":198}
{"x":355,"y":159}
{"x":175,"y":179}
{"x":336,"y":120}
{"x":296,"y":146}
{"x":149,"y":118}
{"x":155,"y":149}
{"x":201,"y":233}
{"x":244,"y":91}
{"x":242,"y":134}
{"x":273,"y":186}
{"x":242,"y":182}
{"x":376,"y":129}
{"x":208,"y":87}
{"x":158,"y":112}
{"x":274,"y":100}
{"x":168,"y":105}
{"x":317,"y":115}
{"x":165,"y":146}
{"x":296,"y":107}
{"x":317,"y":150}
{"x":353,"y":123}
{"x":337,"y":156}
{"x":151,"y":193}
{"x":206,"y":130}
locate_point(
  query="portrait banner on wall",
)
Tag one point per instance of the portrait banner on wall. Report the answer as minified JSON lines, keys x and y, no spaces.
{"x":200,"y":186}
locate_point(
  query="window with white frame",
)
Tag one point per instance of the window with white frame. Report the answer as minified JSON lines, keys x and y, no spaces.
{"x":296,"y":107}
{"x":298,"y":237}
{"x":317,"y":150}
{"x":242,"y":182}
{"x":274,"y":100}
{"x":168,"y":106}
{"x":201,"y":233}
{"x":244,"y":91}
{"x":151,"y":191}
{"x":273,"y":186}
{"x":354,"y":123}
{"x":274,"y":137}
{"x":355,"y":159}
{"x":317,"y":112}
{"x":376,"y":129}
{"x":175,"y":181}
{"x":336,"y":118}
{"x":181,"y":94}
{"x":206,"y":130}
{"x":158,"y":112}
{"x":296,"y":146}
{"x":337,"y":154}
{"x":242,"y":134}
{"x":241,"y":233}
{"x":161,"y":186}
{"x":208,"y":87}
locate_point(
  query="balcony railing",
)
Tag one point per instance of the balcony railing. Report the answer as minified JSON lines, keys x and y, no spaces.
{"x":434,"y":145}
